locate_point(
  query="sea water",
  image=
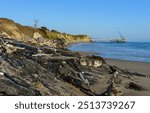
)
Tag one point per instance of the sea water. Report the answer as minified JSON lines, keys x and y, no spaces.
{"x":131,"y":51}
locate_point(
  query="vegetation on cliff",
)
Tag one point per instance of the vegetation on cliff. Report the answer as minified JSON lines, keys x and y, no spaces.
{"x":10,"y":29}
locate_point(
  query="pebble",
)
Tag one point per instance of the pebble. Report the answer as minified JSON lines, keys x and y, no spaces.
{"x":1,"y":74}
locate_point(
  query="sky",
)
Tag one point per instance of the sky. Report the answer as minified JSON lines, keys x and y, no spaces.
{"x":96,"y":18}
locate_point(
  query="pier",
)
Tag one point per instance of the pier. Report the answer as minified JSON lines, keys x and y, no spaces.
{"x":110,"y":40}
{"x":122,"y":39}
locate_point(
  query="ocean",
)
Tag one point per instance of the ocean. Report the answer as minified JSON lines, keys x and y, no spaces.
{"x":131,"y":51}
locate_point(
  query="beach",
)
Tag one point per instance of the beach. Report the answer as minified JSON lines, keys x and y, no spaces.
{"x":135,"y":67}
{"x":132,"y":66}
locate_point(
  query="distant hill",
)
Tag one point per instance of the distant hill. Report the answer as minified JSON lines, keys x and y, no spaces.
{"x":42,"y":36}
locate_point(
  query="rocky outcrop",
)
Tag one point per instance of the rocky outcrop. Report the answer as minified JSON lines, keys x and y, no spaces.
{"x":41,"y":36}
{"x":34,"y":70}
{"x":92,"y":61}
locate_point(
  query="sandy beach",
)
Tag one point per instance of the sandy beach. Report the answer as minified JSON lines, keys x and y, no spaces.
{"x":139,"y":67}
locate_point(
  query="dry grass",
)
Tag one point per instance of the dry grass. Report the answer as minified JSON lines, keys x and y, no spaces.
{"x":18,"y":31}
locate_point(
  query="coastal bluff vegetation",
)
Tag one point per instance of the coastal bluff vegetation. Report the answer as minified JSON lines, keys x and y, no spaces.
{"x":41,"y":36}
{"x":34,"y":62}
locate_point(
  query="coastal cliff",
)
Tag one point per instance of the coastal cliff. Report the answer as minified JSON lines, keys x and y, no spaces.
{"x":33,"y":61}
{"x":41,"y":36}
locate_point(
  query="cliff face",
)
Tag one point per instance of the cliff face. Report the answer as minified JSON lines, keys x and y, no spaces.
{"x":40,"y":36}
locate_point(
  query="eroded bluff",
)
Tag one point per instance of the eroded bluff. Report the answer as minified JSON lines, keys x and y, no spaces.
{"x":34,"y":70}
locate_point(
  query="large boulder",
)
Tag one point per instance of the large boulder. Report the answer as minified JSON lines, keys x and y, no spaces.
{"x":37,"y":35}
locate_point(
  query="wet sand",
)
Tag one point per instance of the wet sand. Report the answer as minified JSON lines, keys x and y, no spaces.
{"x":139,"y":67}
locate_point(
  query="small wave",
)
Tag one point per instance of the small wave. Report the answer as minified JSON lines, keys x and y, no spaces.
{"x":126,"y":51}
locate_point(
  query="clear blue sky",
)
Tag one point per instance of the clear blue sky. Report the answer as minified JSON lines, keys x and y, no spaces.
{"x":97,"y":18}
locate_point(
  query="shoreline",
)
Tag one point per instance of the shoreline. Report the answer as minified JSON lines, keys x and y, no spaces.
{"x":132,"y":66}
{"x":134,"y":55}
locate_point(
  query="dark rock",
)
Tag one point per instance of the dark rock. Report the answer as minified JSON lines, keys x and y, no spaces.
{"x":137,"y":87}
{"x":34,"y":70}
